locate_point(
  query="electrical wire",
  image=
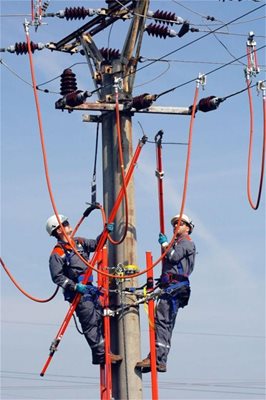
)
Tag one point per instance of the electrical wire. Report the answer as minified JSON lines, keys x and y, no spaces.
{"x":14,"y":73}
{"x":172,"y":143}
{"x":207,"y":73}
{"x":42,"y":138}
{"x":23,"y":80}
{"x":202,"y":37}
{"x":156,"y":78}
{"x":255,"y":205}
{"x":175,"y":332}
{"x":188,"y":44}
{"x":146,"y":59}
{"x":91,"y":264}
{"x":195,"y":12}
{"x":59,"y":76}
{"x":38,"y":300}
{"x":93,"y":183}
{"x":224,"y":46}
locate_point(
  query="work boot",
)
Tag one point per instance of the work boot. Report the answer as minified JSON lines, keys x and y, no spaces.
{"x":115,"y":358}
{"x":144,"y":365}
{"x":161,"y":367}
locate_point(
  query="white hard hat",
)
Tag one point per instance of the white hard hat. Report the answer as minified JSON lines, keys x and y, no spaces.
{"x":52,"y":223}
{"x":184,"y":218}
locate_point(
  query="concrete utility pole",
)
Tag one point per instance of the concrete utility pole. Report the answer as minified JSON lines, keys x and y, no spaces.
{"x":125,"y":329}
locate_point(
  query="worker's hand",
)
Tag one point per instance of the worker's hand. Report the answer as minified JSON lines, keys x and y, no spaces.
{"x":163,"y":240}
{"x":80,"y":288}
{"x":110,"y":227}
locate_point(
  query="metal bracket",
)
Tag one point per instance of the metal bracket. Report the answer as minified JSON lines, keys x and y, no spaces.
{"x":91,"y":118}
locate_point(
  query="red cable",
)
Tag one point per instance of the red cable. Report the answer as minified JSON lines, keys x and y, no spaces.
{"x":185,"y":179}
{"x":255,"y":206}
{"x":23,"y":291}
{"x":159,"y":171}
{"x":120,"y":151}
{"x":32,"y":11}
{"x":111,"y":217}
{"x":120,"y":195}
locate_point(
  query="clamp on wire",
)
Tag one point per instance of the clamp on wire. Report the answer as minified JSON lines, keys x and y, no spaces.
{"x":26,"y":26}
{"x":118,"y":84}
{"x":159,"y":174}
{"x":261,"y":86}
{"x":252,"y":68}
{"x":201,"y":80}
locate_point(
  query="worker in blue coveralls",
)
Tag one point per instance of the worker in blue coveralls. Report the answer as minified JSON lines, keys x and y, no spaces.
{"x":67,"y":270}
{"x":178,"y":264}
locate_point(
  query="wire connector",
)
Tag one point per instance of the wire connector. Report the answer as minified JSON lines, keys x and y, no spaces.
{"x":118,"y":84}
{"x":159,"y":174}
{"x":201,"y":80}
{"x":261,"y":86}
{"x":252,"y":68}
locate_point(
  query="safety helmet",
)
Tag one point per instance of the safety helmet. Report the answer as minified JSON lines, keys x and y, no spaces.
{"x":185,"y":219}
{"x":52,"y":223}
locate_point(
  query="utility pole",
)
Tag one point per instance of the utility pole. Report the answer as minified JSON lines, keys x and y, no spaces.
{"x":125,"y":328}
{"x":116,"y":76}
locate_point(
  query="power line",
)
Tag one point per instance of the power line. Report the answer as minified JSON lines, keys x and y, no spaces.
{"x":175,"y":332}
{"x":145,"y":59}
{"x":196,"y":385}
{"x":207,"y":73}
{"x":201,"y":37}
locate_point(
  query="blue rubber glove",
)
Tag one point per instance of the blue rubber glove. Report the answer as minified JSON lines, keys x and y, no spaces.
{"x":162,"y":239}
{"x":110,"y":227}
{"x":80,"y":288}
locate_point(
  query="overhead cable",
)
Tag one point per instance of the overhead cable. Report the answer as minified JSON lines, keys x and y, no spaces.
{"x":207,"y":73}
{"x":201,"y":37}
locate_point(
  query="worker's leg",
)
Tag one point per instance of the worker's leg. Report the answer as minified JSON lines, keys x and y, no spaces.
{"x":164,"y":320}
{"x":90,"y":317}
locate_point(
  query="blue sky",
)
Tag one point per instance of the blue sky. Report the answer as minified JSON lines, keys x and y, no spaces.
{"x":218,"y":349}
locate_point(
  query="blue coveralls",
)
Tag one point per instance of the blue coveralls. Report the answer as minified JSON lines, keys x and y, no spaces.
{"x":66,"y":269}
{"x":177,"y":266}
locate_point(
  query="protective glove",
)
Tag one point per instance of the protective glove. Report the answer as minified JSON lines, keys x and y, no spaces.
{"x":80,"y":288}
{"x":163,"y":239}
{"x":110,"y":227}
